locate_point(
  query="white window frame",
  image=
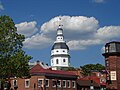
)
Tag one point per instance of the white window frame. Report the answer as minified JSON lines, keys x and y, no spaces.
{"x":60,"y":83}
{"x":39,"y":79}
{"x":57,"y":61}
{"x":74,"y":84}
{"x":48,"y":82}
{"x":27,"y":86}
{"x":52,"y":82}
{"x":69,"y":83}
{"x":14,"y":83}
{"x":65,"y":83}
{"x":64,"y":60}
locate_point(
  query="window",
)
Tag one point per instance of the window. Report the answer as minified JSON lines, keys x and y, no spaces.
{"x":107,"y":63}
{"x":63,"y":60}
{"x":73,"y":84}
{"x":52,"y":61}
{"x":14,"y":82}
{"x":40,"y":82}
{"x":57,"y":51}
{"x":27,"y":83}
{"x":106,"y":49}
{"x":57,"y":61}
{"x":59,"y":83}
{"x":68,"y":83}
{"x":53,"y":83}
{"x":63,"y":50}
{"x":47,"y":82}
{"x":64,"y":83}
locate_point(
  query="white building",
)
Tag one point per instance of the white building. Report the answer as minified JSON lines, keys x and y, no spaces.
{"x":60,"y":52}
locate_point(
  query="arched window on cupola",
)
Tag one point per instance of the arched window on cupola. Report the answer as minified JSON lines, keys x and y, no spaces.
{"x":57,"y":62}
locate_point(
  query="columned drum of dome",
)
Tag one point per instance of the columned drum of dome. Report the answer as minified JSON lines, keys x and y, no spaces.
{"x":60,"y":51}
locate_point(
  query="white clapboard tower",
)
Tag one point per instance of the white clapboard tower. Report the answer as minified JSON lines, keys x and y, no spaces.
{"x":60,"y":51}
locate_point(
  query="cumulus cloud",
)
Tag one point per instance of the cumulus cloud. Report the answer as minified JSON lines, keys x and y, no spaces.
{"x":80,"y":32}
{"x":1,"y":6}
{"x":78,"y":25}
{"x":83,"y":44}
{"x":27,"y":28}
{"x":108,"y":32}
{"x":99,"y":1}
{"x":37,"y":42}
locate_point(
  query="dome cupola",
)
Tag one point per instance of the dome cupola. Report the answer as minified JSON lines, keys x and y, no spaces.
{"x":60,"y":51}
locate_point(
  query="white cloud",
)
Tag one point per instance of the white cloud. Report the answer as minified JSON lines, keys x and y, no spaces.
{"x":1,"y":6}
{"x":99,"y":1}
{"x":80,"y":32}
{"x":108,"y":32}
{"x":77,"y":25}
{"x":37,"y":42}
{"x":27,"y":28}
{"x":83,"y":44}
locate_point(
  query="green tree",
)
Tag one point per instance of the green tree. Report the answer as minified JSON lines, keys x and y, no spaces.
{"x":88,"y":68}
{"x":13,"y":60}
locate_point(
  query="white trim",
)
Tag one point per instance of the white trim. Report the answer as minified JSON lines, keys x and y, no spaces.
{"x":68,"y":81}
{"x":41,"y":85}
{"x":27,"y":86}
{"x":48,"y":82}
{"x":14,"y":83}
{"x":65,"y":83}
{"x":52,"y":82}
{"x":74,"y":84}
{"x":60,"y":83}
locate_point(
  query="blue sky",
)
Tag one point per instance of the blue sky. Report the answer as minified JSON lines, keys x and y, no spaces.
{"x":87,"y":24}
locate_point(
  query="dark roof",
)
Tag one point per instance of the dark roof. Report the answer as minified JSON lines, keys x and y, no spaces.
{"x":60,"y":46}
{"x":112,"y":42}
{"x":38,"y":70}
{"x":59,"y":55}
{"x":87,"y":83}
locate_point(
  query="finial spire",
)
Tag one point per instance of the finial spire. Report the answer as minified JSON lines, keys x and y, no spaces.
{"x":60,"y":25}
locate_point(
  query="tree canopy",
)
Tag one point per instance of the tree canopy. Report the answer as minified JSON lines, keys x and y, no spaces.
{"x":13,"y":60}
{"x":88,"y":68}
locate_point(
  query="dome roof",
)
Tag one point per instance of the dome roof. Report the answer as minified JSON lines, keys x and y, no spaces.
{"x":60,"y":46}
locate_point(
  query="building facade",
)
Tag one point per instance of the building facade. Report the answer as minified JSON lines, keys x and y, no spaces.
{"x":60,"y":51}
{"x":46,"y":79}
{"x":112,"y":62}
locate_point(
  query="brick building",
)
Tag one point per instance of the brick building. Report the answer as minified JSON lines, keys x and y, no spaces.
{"x":46,"y":79}
{"x":90,"y":83}
{"x":112,"y":62}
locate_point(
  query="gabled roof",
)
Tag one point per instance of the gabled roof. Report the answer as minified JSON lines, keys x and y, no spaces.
{"x":39,"y":70}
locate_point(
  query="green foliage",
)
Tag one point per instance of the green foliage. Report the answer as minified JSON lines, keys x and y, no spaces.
{"x":88,"y":68}
{"x":13,"y":61}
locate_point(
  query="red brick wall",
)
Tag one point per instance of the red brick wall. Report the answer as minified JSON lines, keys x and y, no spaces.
{"x":34,"y":80}
{"x":114,"y":65}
